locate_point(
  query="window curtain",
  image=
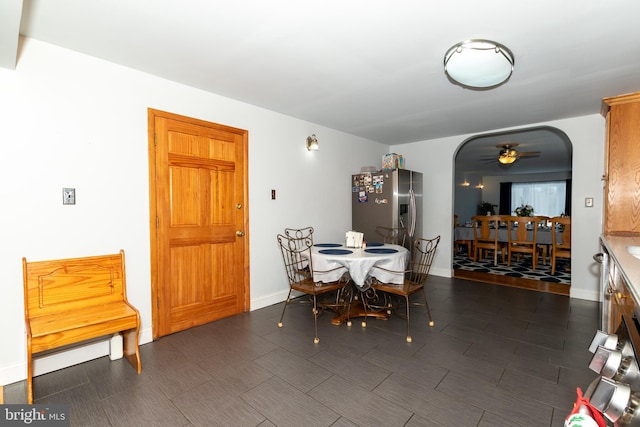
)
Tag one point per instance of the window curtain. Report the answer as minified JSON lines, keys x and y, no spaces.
{"x":504,"y":207}
{"x":548,"y":198}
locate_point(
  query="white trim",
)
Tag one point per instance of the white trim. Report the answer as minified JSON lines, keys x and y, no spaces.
{"x":64,"y":359}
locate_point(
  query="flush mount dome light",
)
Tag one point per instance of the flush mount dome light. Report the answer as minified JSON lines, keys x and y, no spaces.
{"x":478,"y":64}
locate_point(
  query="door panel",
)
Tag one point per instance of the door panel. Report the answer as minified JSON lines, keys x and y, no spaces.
{"x":201,"y":264}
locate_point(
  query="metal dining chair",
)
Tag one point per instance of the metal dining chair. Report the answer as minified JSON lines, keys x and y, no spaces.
{"x":298,"y":264}
{"x":392,"y":235}
{"x":299,"y":233}
{"x":415,"y":276}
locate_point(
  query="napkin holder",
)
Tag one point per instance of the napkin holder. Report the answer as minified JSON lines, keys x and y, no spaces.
{"x":354,"y":239}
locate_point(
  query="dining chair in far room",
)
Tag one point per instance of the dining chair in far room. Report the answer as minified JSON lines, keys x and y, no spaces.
{"x":486,"y":238}
{"x":560,"y":242}
{"x":296,"y":255}
{"x":460,"y":244}
{"x":392,"y":235}
{"x":415,"y":277}
{"x":522,"y":231}
{"x":543,"y":248}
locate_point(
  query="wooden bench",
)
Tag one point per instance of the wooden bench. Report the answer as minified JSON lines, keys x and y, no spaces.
{"x":68,"y":301}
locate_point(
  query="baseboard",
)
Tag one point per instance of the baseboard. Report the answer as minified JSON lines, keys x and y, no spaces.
{"x":586,"y":295}
{"x":64,"y":358}
{"x":268,"y":300}
{"x":441,"y":272}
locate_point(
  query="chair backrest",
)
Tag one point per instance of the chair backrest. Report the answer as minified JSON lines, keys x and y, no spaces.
{"x":299,"y":233}
{"x":523,"y":229}
{"x":424,"y":250}
{"x":296,"y":255}
{"x":67,"y":284}
{"x":561,"y":223}
{"x":392,"y":235}
{"x":485,"y":227}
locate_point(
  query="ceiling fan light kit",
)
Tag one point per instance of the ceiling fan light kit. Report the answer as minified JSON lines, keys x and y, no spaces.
{"x":478,"y":64}
{"x":509,"y":155}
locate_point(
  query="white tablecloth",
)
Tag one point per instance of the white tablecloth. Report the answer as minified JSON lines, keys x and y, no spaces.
{"x":359,"y":264}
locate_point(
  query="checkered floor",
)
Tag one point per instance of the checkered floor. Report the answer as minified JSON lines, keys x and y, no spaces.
{"x":521,"y":269}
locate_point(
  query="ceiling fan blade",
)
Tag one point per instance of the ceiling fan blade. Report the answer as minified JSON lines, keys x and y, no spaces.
{"x":528,"y":153}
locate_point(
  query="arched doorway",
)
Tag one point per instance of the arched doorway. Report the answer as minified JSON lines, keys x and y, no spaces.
{"x":478,"y":177}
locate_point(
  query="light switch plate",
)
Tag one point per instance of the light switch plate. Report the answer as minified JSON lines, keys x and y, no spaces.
{"x":588,"y":202}
{"x":68,"y":196}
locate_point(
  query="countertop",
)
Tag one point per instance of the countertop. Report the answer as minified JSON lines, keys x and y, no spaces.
{"x":629,"y":265}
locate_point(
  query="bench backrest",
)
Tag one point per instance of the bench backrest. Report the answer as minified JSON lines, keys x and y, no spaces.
{"x":65,"y":284}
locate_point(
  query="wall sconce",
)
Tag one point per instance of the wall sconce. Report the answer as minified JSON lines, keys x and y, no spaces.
{"x":465,"y":183}
{"x":480,"y":186}
{"x":312,"y":143}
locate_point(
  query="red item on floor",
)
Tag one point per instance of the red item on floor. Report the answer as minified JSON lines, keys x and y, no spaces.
{"x":582,"y":405}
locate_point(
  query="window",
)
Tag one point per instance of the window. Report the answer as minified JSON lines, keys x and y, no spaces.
{"x":547,"y":198}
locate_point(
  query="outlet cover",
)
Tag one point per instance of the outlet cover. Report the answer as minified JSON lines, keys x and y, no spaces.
{"x":68,"y":196}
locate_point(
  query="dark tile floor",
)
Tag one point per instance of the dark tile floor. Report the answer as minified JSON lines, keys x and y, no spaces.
{"x":497,"y":356}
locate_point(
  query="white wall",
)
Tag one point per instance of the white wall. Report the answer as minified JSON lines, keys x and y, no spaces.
{"x":74,"y":121}
{"x":587,"y":135}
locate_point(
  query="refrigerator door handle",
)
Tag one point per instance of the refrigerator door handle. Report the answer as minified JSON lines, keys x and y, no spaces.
{"x":412,"y":212}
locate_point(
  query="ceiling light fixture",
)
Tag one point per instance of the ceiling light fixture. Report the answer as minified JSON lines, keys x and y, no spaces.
{"x":478,"y":64}
{"x":312,"y":143}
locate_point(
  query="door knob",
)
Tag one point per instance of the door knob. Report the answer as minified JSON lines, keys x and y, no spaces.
{"x":238,"y":205}
{"x":239,"y":233}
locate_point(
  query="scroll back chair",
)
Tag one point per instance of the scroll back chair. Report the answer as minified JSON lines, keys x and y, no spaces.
{"x":392,"y":235}
{"x":415,"y":277}
{"x":523,"y":233}
{"x":300,"y":234}
{"x":296,"y":255}
{"x":560,"y":249}
{"x":485,"y":236}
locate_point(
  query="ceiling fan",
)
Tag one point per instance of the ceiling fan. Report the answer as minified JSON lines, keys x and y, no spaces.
{"x":508,"y":154}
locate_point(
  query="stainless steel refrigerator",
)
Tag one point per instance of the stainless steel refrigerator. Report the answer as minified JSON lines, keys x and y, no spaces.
{"x":388,"y":198}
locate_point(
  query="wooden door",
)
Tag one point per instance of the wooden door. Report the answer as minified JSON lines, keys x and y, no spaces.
{"x":199,"y":221}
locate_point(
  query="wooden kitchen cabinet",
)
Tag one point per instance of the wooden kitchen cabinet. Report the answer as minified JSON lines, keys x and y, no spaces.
{"x":622,"y":167}
{"x":618,"y":298}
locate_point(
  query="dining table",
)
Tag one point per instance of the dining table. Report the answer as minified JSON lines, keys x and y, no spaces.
{"x":332,"y":260}
{"x":543,"y":236}
{"x":359,"y":263}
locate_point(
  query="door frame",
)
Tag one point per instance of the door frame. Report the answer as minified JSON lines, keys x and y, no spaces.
{"x":152,"y":114}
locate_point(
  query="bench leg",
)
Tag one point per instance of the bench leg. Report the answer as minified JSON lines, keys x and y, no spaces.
{"x":131,"y":349}
{"x":29,"y":372}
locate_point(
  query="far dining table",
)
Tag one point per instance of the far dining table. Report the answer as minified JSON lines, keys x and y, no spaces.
{"x":543,"y":236}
